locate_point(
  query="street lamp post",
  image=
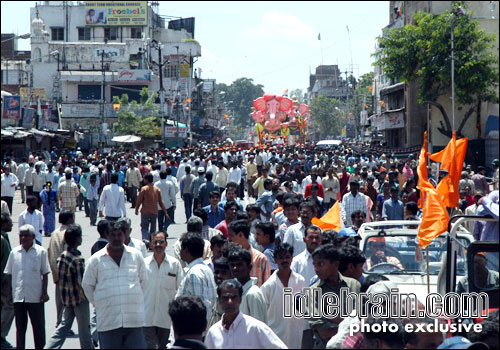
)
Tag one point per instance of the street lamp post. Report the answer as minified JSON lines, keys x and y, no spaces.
{"x":160,"y":64}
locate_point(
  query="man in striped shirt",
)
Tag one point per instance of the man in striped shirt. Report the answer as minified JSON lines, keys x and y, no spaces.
{"x":70,"y":267}
{"x":239,"y":232}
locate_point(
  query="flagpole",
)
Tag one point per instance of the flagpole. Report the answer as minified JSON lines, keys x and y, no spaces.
{"x":321,"y":44}
{"x":428,"y":273}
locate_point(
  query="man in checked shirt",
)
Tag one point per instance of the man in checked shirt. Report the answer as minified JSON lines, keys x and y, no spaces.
{"x":70,"y":267}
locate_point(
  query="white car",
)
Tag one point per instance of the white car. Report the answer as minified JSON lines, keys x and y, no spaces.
{"x":391,"y":249}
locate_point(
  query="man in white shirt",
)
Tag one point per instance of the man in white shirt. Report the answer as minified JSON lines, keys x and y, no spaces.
{"x":236,"y":330}
{"x":221,"y":177}
{"x":303,"y":263}
{"x":28,"y":269}
{"x":50,"y":173}
{"x":167,"y":189}
{"x":114,"y":282}
{"x":182,"y":170}
{"x":126,"y":225}
{"x":234,"y":174}
{"x":294,"y":235}
{"x":252,"y":302}
{"x":353,"y":201}
{"x":39,"y":180}
{"x":32,"y":216}
{"x":113,"y":199}
{"x":165,"y":274}
{"x":331,"y":186}
{"x":28,"y":179}
{"x":21,"y":172}
{"x":9,"y":183}
{"x":288,"y":329}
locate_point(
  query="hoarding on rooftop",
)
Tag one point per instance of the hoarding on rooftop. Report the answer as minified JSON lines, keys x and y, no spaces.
{"x":116,"y":13}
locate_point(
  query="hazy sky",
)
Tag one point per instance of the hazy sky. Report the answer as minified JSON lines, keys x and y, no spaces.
{"x":274,"y":43}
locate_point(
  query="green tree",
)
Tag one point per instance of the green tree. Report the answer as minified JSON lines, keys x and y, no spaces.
{"x":326,"y":117}
{"x":422,"y":52}
{"x":241,"y":92}
{"x":137,"y":118}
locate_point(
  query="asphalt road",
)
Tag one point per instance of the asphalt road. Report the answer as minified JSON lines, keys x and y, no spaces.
{"x":90,"y":235}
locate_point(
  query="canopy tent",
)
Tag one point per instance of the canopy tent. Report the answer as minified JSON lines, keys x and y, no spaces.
{"x":126,"y":139}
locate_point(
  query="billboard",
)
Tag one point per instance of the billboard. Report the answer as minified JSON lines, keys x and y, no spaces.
{"x":12,"y":107}
{"x":35,"y":93}
{"x":107,"y":54}
{"x":116,"y":13}
{"x":134,"y":75}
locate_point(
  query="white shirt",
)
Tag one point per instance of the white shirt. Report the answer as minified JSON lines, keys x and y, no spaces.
{"x":27,"y":269}
{"x":139,"y":245}
{"x":303,"y":265}
{"x":21,"y":171}
{"x":294,"y":235}
{"x":289,"y":330}
{"x":160,"y":290}
{"x":167,"y":189}
{"x":35,"y":220}
{"x":244,"y":333}
{"x":49,"y":176}
{"x":234,"y":175}
{"x":352,"y":203}
{"x":113,"y":198}
{"x":253,"y":302}
{"x":181,"y":171}
{"x":116,"y":291}
{"x":7,"y":181}
{"x":328,"y":185}
{"x":28,"y":176}
{"x":38,"y":180}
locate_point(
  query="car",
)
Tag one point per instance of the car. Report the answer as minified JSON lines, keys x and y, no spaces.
{"x":391,"y":248}
{"x":243,"y":144}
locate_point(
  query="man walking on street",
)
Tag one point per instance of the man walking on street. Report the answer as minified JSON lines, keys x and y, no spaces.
{"x":200,"y":180}
{"x":28,"y":179}
{"x":70,"y":267}
{"x":21,"y":172}
{"x":186,"y":184}
{"x":68,"y":193}
{"x":7,"y":309}
{"x":32,"y":216}
{"x":133,"y":181}
{"x":113,"y":199}
{"x":165,"y":275}
{"x":114,"y":282}
{"x":150,"y":199}
{"x":38,"y":180}
{"x":9,"y":183}
{"x":167,"y":189}
{"x":56,"y":247}
{"x":27,"y":268}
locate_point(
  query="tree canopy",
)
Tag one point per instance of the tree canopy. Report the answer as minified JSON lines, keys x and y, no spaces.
{"x":137,"y":118}
{"x":326,"y":117}
{"x":422,"y":52}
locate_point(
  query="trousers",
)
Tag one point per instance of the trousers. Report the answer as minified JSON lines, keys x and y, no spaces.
{"x":36,"y":312}
{"x":123,"y":338}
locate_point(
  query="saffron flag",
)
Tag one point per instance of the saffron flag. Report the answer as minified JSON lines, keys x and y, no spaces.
{"x":331,"y":220}
{"x":370,"y":88}
{"x":285,"y":92}
{"x":434,"y":217}
{"x":452,"y":160}
{"x":188,"y":100}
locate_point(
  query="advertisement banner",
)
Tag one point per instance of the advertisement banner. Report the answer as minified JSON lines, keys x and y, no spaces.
{"x":116,"y":13}
{"x":28,"y":114}
{"x":134,"y":75}
{"x":50,"y":119}
{"x":171,"y":131}
{"x":110,"y":53}
{"x":12,"y":107}
{"x":35,"y":93}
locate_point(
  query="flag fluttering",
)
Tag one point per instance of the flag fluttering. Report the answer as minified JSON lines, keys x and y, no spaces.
{"x":331,"y":220}
{"x":434,"y":215}
{"x":452,"y":160}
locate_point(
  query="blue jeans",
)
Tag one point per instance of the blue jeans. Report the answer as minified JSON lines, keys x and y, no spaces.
{"x":82,"y":314}
{"x":164,"y":223}
{"x":123,"y":338}
{"x":148,"y":220}
{"x":188,"y":204}
{"x":93,"y":211}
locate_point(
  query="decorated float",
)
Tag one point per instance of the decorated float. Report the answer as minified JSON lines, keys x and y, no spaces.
{"x":278,"y":117}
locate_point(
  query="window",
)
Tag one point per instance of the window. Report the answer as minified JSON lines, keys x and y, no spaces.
{"x":83,"y":33}
{"x":89,"y":92}
{"x":136,"y":33}
{"x":111,"y":33}
{"x":57,"y":33}
{"x":172,"y":70}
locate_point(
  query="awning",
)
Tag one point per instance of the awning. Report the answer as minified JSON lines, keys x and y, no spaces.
{"x":41,"y":133}
{"x":126,"y":139}
{"x":392,"y":88}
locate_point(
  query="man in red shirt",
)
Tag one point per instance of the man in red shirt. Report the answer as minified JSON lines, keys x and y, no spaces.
{"x":307,"y":191}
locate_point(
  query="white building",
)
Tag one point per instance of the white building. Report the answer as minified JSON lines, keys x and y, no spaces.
{"x":68,"y":39}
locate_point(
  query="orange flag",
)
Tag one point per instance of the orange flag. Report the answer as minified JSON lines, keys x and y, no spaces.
{"x":331,"y":220}
{"x":452,"y":160}
{"x":435,"y":217}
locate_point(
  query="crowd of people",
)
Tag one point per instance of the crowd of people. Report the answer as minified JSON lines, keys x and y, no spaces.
{"x":249,"y":235}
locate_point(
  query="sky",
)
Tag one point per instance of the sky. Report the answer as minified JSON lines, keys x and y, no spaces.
{"x":274,"y":43}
